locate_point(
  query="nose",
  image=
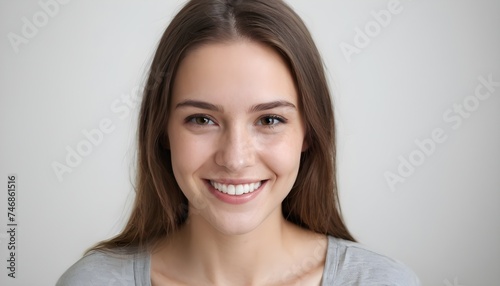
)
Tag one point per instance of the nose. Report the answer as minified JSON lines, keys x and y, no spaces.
{"x":236,"y":149}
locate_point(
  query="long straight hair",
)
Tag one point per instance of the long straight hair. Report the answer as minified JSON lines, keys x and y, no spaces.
{"x":160,"y":207}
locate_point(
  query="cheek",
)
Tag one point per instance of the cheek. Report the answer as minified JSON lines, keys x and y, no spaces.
{"x":283,"y":156}
{"x":188,"y":155}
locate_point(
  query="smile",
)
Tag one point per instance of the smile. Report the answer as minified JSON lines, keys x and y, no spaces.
{"x":236,"y":190}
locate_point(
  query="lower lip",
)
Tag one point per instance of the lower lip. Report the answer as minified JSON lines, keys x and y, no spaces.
{"x":235,"y":200}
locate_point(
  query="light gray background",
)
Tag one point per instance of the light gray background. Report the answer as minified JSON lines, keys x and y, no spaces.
{"x":90,"y":56}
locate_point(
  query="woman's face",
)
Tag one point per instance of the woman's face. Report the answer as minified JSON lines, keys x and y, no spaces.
{"x":235,"y":134}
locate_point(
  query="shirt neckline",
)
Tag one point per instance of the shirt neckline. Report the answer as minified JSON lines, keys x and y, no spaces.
{"x":142,"y":265}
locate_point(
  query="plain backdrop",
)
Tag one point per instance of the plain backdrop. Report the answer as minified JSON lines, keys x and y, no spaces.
{"x":395,"y":81}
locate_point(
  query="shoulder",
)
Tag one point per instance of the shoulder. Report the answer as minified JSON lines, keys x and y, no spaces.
{"x":350,"y":263}
{"x":107,"y":268}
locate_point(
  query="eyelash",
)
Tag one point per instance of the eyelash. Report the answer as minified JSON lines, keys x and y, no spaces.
{"x":192,"y":119}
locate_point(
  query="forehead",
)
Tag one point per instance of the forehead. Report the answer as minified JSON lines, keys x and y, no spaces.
{"x":240,"y":71}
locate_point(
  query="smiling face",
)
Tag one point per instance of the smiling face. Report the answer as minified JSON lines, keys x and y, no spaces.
{"x":236,"y":135}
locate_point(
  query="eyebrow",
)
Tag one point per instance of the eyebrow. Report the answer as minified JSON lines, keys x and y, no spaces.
{"x":218,"y":108}
{"x":271,"y":105}
{"x":200,"y":104}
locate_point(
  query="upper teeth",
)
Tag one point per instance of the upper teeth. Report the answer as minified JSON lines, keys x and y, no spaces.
{"x":236,"y":189}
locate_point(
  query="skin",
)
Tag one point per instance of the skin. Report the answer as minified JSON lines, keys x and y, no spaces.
{"x":235,"y":119}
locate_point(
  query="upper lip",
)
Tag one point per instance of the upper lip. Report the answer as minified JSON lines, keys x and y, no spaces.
{"x":235,"y":181}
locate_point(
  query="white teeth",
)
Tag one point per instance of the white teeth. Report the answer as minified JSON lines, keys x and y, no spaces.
{"x":239,"y":190}
{"x":235,"y":190}
{"x":231,"y":190}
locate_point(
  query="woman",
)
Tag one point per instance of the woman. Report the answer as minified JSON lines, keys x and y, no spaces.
{"x":236,"y":173}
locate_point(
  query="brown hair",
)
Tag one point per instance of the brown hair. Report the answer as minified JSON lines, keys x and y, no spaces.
{"x":160,"y":206}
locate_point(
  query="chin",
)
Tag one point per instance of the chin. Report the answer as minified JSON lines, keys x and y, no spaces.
{"x":235,"y":224}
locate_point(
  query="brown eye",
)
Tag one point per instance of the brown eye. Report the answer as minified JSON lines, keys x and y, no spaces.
{"x":199,"y":120}
{"x":270,"y":120}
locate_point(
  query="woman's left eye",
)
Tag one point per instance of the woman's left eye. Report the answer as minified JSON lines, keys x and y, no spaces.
{"x":270,"y":120}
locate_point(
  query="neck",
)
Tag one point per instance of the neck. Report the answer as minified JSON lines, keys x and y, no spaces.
{"x":277,"y":252}
{"x":265,"y":256}
{"x":238,"y":259}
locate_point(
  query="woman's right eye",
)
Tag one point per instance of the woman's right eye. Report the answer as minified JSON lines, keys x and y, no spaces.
{"x":200,"y":120}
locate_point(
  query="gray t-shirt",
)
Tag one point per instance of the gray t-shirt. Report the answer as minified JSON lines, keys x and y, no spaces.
{"x":347,"y":263}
